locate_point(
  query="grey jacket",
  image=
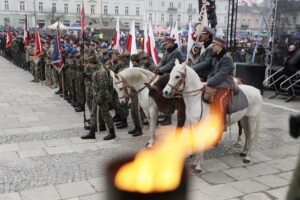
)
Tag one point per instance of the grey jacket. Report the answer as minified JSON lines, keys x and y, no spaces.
{"x":168,"y":61}
{"x":219,"y":76}
{"x":205,"y":63}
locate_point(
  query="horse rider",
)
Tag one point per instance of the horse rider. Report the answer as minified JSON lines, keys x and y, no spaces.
{"x":220,"y":74}
{"x":203,"y":66}
{"x":166,"y":65}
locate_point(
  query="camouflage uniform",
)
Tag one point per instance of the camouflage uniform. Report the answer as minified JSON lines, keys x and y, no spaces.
{"x":101,"y":96}
{"x":48,"y":65}
{"x":29,"y":56}
{"x":149,"y":65}
{"x":79,"y":83}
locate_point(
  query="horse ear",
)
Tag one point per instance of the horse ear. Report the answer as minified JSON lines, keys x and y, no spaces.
{"x":177,"y":62}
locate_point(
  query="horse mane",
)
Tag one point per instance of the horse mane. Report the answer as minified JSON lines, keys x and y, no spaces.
{"x":135,"y":74}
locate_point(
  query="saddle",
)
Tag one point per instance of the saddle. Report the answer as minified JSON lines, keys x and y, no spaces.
{"x":237,"y":101}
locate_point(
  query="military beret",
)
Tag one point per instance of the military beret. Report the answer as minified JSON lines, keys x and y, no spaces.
{"x":144,"y":56}
{"x":103,"y":46}
{"x":74,"y":51}
{"x":220,"y":41}
{"x":115,"y":51}
{"x":208,"y":30}
{"x":168,"y":38}
{"x":122,"y":57}
{"x":135,"y":57}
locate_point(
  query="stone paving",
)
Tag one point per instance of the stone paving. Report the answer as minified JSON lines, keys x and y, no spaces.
{"x":43,"y":158}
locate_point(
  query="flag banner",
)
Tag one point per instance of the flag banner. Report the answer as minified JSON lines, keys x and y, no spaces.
{"x":38,"y":49}
{"x":82,"y":20}
{"x":151,"y":46}
{"x":26,"y":33}
{"x":145,"y":39}
{"x":131,"y":40}
{"x":8,"y":38}
{"x":117,"y":42}
{"x":57,"y":58}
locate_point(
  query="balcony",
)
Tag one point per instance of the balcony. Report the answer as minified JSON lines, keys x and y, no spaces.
{"x":172,"y":9}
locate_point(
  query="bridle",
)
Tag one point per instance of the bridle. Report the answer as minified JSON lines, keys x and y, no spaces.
{"x":182,"y":81}
{"x":125,"y":86}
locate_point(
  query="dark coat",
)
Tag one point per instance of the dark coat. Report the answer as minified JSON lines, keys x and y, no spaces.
{"x":168,"y":61}
{"x":222,"y":69}
{"x":205,"y":63}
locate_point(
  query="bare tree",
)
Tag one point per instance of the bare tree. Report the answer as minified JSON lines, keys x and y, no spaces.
{"x":54,"y":17}
{"x":259,"y":8}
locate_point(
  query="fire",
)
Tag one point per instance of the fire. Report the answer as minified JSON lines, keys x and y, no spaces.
{"x":160,"y":168}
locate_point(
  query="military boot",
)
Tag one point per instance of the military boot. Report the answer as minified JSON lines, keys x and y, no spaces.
{"x":117,"y":118}
{"x":111,"y":134}
{"x":79,"y":109}
{"x":138,"y":132}
{"x":102,"y":127}
{"x":132,"y":131}
{"x":90,"y":135}
{"x":58,"y":91}
{"x":166,"y":121}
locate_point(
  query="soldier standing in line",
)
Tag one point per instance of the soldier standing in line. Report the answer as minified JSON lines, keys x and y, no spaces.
{"x":48,"y":63}
{"x":147,"y":62}
{"x":101,"y":83}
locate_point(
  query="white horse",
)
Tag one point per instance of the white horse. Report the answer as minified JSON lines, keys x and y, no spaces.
{"x":188,"y":82}
{"x":136,"y":78}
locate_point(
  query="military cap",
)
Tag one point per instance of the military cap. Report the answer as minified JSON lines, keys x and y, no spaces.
{"x":122,"y":57}
{"x":74,"y":51}
{"x":135,"y":57}
{"x":208,"y":30}
{"x":103,"y":46}
{"x":115,"y":51}
{"x":168,"y":38}
{"x":220,"y":41}
{"x":144,"y":56}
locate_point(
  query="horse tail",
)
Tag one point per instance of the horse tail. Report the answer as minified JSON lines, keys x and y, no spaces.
{"x":257,"y":129}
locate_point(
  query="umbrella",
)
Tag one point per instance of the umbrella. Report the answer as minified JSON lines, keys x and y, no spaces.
{"x":160,"y":30}
{"x":54,"y":26}
{"x":73,"y":27}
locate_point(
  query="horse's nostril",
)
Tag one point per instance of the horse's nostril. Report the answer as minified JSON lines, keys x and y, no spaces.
{"x":166,"y":92}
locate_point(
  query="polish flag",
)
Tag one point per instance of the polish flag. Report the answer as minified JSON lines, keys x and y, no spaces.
{"x":38,"y":49}
{"x":131,"y":40}
{"x":117,"y":42}
{"x":8,"y":38}
{"x":145,"y":39}
{"x":151,"y":47}
{"x":26,"y":33}
{"x":175,"y":33}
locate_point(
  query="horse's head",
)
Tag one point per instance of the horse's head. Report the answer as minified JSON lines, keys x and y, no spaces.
{"x":120,"y":86}
{"x":177,"y":80}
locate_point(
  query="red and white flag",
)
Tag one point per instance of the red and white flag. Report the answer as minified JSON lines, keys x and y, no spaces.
{"x":8,"y":38}
{"x":117,"y":42}
{"x":82,"y":20}
{"x":38,"y":49}
{"x":190,"y":42}
{"x":151,"y":46}
{"x":131,"y":40}
{"x":145,"y":39}
{"x":26,"y":33}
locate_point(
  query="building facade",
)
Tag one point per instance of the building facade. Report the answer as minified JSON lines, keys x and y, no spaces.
{"x":222,"y":16}
{"x":166,"y":13}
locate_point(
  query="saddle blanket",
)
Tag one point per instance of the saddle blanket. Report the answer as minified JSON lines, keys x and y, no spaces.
{"x":238,"y":102}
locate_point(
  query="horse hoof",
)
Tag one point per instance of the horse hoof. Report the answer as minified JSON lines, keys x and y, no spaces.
{"x":246,"y":161}
{"x":193,"y":166}
{"x":237,"y":145}
{"x":197,"y":171}
{"x":243,"y":154}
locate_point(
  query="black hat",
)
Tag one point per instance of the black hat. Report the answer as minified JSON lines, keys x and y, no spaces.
{"x":220,"y":41}
{"x":208,"y":30}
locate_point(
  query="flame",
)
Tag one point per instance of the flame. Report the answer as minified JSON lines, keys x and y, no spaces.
{"x":160,"y":168}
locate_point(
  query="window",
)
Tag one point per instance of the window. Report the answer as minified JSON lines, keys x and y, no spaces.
{"x":171,"y":4}
{"x":105,"y":10}
{"x":6,"y":6}
{"x":78,"y":8}
{"x":126,"y":10}
{"x":190,"y":18}
{"x":137,"y":11}
{"x":170,"y":18}
{"x":162,"y":4}
{"x":6,"y":21}
{"x":179,"y":18}
{"x":190,"y":6}
{"x":117,"y":10}
{"x":53,"y":7}
{"x":67,"y":22}
{"x":150,"y":3}
{"x":21,"y":22}
{"x":150,"y":17}
{"x":92,"y":9}
{"x":66,"y":8}
{"x":40,"y":6}
{"x":162,"y":18}
{"x":179,"y":5}
{"x":22,"y":5}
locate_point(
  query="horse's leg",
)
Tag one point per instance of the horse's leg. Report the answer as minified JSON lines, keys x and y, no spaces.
{"x":245,"y":124}
{"x":237,"y":144}
{"x":253,"y":135}
{"x":197,"y":165}
{"x":152,"y":119}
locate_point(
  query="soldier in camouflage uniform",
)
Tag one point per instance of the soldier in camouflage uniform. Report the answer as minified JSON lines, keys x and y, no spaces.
{"x":29,"y":57}
{"x":48,"y":65}
{"x":137,"y":131}
{"x":101,"y":82}
{"x":147,"y":62}
{"x":79,"y":83}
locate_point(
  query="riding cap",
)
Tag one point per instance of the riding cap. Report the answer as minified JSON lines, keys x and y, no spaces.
{"x":168,"y":38}
{"x":220,"y":41}
{"x":208,"y":30}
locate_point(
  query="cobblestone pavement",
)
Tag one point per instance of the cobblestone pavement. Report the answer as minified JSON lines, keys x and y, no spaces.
{"x":43,"y":158}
